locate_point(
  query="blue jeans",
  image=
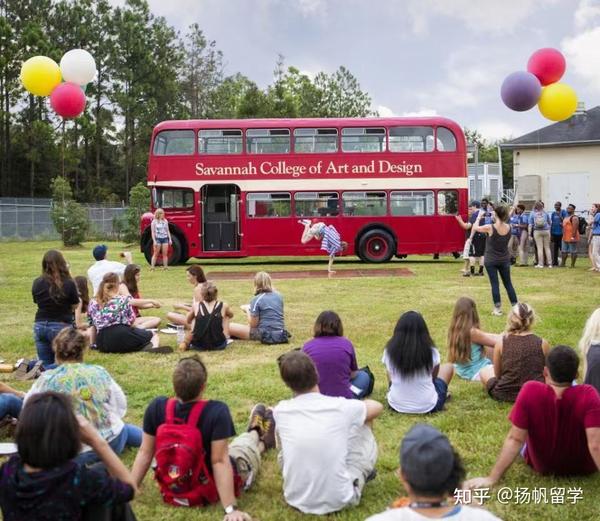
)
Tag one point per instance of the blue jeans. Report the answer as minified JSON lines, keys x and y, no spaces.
{"x":504,"y":270}
{"x":10,"y":405}
{"x":441,"y":388}
{"x":361,"y":381}
{"x":43,"y":334}
{"x":130,"y":436}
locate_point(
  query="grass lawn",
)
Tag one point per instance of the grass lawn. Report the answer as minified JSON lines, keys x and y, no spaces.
{"x":246,"y":373}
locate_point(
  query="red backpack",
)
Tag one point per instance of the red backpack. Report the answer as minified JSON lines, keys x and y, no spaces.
{"x":181,"y":469}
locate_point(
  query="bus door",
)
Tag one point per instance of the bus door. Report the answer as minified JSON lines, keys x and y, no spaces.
{"x":221,"y":218}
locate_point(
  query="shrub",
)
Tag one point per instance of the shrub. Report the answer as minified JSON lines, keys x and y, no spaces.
{"x":70,"y":219}
{"x":139,"y":202}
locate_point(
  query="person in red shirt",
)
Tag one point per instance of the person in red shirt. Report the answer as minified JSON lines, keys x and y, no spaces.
{"x":549,"y":415}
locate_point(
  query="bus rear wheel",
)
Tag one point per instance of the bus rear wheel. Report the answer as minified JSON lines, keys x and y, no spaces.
{"x":174,"y":252}
{"x":376,"y":246}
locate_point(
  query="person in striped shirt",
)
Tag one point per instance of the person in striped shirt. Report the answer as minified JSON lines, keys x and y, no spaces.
{"x":330,"y":239}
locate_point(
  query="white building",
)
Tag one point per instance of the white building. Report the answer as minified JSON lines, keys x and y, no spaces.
{"x":560,"y":162}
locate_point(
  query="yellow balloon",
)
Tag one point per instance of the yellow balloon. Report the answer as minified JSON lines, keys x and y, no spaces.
{"x":40,"y":75}
{"x":557,"y":102}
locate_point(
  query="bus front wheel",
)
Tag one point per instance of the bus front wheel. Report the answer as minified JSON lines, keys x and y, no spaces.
{"x":174,"y":252}
{"x":376,"y":246}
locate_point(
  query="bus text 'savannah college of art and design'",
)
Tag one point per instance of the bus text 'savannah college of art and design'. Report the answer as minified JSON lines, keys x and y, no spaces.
{"x":237,"y":188}
{"x":320,"y":167}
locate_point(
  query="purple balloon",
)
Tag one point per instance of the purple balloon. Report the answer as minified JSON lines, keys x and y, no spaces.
{"x":520,"y":91}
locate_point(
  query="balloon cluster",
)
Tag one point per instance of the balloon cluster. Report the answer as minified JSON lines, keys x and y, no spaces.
{"x":42,"y":76}
{"x":522,"y":90}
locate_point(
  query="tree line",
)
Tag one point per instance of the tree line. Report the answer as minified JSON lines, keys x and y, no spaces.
{"x":147,"y":72}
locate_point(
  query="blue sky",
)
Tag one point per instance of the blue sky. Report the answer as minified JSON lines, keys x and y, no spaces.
{"x":446,"y":57}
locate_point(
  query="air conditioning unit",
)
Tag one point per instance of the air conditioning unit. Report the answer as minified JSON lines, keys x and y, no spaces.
{"x":528,"y":188}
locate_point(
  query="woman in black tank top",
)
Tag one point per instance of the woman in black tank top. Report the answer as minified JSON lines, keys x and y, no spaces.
{"x":497,"y":257}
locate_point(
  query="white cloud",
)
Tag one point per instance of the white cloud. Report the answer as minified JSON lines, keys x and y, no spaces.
{"x":483,"y":16}
{"x":582,"y":51}
{"x":421,"y":113}
{"x":385,"y":112}
{"x":311,"y":7}
{"x":587,"y":14}
{"x":493,"y":130}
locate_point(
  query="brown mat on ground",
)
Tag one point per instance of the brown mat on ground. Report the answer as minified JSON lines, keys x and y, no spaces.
{"x":303,"y":274}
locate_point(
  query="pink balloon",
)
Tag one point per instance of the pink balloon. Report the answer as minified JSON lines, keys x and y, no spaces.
{"x":547,"y":64}
{"x":68,"y":100}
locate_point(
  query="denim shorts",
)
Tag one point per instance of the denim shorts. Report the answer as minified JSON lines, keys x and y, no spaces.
{"x":162,"y":240}
{"x":569,"y":247}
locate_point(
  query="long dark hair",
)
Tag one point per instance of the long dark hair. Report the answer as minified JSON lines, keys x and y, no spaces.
{"x":409,"y":349}
{"x":84,"y":292}
{"x":131,"y":270}
{"x":55,"y":271}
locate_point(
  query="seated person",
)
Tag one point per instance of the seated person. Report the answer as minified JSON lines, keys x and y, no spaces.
{"x":418,"y":382}
{"x":328,"y":451}
{"x":11,"y":401}
{"x":430,"y":471}
{"x":590,"y":350}
{"x":334,"y":357}
{"x":45,"y":482}
{"x":195,"y":276}
{"x":558,"y":422}
{"x":518,"y":356}
{"x":264,"y":314}
{"x":228,"y":466}
{"x":96,"y":396}
{"x":211,"y":323}
{"x":129,"y":288}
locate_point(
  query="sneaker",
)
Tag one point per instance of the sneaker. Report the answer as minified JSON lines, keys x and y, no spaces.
{"x":497,"y":312}
{"x":466,"y":274}
{"x":549,"y":267}
{"x":539,"y":266}
{"x":268,"y":437}
{"x":257,"y":416}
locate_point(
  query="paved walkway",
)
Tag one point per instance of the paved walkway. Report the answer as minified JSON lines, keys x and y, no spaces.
{"x":321,"y":274}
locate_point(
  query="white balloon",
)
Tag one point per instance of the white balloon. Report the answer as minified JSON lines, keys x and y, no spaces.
{"x":78,"y":66}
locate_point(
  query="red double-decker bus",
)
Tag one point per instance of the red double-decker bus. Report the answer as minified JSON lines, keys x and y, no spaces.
{"x":236,"y":188}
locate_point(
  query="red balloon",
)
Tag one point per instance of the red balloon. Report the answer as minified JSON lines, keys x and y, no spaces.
{"x":547,"y":64}
{"x":68,"y":100}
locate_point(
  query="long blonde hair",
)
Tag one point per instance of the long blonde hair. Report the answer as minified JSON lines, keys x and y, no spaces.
{"x":591,"y":335}
{"x":520,"y":319}
{"x":159,"y":214}
{"x":108,"y":287}
{"x":262,"y":282}
{"x":464,"y":318}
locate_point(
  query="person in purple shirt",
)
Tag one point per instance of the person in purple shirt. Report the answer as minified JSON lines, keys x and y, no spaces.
{"x":334,"y":357}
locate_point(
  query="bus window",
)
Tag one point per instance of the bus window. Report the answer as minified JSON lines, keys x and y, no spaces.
{"x":447,"y":202}
{"x":446,"y":142}
{"x":173,"y":198}
{"x":174,"y":143}
{"x":220,"y":142}
{"x":265,"y":141}
{"x":411,"y":203}
{"x":316,"y":204}
{"x":358,"y":139}
{"x":411,"y":139}
{"x":315,"y":140}
{"x":364,"y":203}
{"x":269,"y":205}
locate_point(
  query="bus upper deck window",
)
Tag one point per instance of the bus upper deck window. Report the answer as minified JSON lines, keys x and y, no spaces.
{"x":220,"y":142}
{"x":268,"y":141}
{"x":360,"y":139}
{"x":174,"y":143}
{"x":411,"y":139}
{"x":446,"y":142}
{"x":315,"y":140}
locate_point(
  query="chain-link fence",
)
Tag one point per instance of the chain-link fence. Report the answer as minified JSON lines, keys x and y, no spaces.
{"x":26,"y":218}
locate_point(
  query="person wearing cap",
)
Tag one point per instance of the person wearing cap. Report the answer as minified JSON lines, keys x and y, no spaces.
{"x":430,"y":471}
{"x":327,"y":448}
{"x":555,"y":425}
{"x":102,"y":266}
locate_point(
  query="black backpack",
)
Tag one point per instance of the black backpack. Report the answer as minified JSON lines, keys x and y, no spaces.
{"x":582,"y":224}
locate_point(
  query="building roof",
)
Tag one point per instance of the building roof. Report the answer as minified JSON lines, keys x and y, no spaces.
{"x":583,"y":128}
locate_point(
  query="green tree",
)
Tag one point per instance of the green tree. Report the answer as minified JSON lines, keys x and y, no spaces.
{"x":70,"y":219}
{"x":139,"y":203}
{"x":340,"y":95}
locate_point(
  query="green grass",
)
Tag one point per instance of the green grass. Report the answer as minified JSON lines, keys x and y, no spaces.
{"x":247,"y":373}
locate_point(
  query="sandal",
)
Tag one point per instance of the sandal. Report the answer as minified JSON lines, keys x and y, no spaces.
{"x":21,"y":368}
{"x":32,"y":374}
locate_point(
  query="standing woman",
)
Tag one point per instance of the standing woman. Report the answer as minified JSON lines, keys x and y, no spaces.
{"x":112,"y":316}
{"x":161,"y":238}
{"x":539,"y":223}
{"x":129,"y":288}
{"x":195,"y":276}
{"x":594,"y":248}
{"x":418,"y":382}
{"x":56,"y":297}
{"x":497,"y":257}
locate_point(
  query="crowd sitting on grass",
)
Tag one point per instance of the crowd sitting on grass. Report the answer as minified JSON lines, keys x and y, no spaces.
{"x":70,"y":425}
